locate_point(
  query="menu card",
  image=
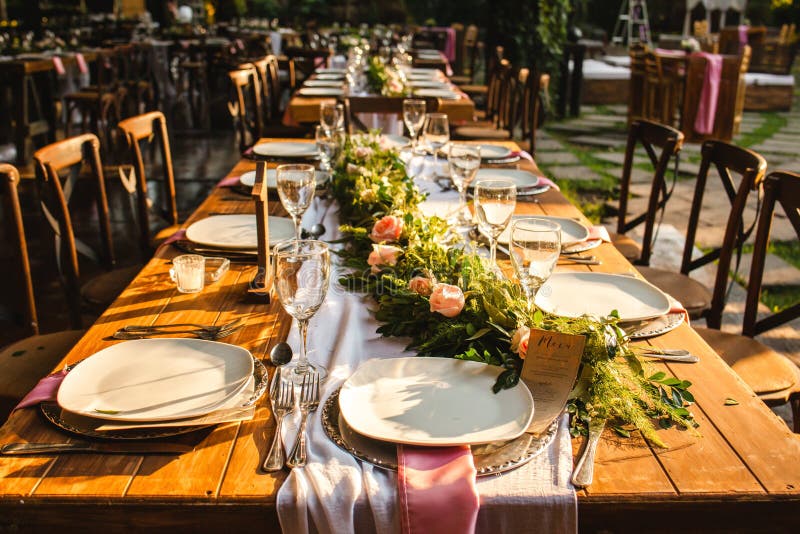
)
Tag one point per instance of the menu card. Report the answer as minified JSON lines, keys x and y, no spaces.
{"x":550,"y":369}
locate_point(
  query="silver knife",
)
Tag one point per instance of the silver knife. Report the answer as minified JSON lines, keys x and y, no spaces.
{"x":584,"y":470}
{"x":85,"y":446}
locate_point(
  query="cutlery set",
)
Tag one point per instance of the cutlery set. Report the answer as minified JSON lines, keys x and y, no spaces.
{"x":207,"y":332}
{"x":282,"y":397}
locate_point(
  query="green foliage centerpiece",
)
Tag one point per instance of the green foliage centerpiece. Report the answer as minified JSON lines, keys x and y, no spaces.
{"x":384,"y":80}
{"x":430,"y":287}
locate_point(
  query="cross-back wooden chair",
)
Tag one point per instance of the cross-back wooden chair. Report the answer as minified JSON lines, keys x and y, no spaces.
{"x":771,"y":375}
{"x":51,"y":162}
{"x":353,"y":106}
{"x":151,"y":127}
{"x":637,"y":108}
{"x":26,"y":360}
{"x":650,"y":136}
{"x":726,"y":159}
{"x":246,"y":105}
{"x":268,"y":76}
{"x":501,"y":100}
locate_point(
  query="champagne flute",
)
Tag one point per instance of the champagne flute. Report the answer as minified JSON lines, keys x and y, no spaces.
{"x":437,"y":134}
{"x":331,"y":115}
{"x":465,"y":160}
{"x":302,"y":274}
{"x":296,"y":186}
{"x":327,"y":146}
{"x":535,"y":247}
{"x":495,"y":201}
{"x":414,"y":118}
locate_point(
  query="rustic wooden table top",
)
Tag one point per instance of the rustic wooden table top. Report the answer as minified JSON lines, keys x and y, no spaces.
{"x":743,"y":466}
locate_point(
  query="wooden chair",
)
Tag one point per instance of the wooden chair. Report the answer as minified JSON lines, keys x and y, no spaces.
{"x":147,"y":127}
{"x":469,"y":55}
{"x":726,"y":158}
{"x":268,"y":76}
{"x":50,"y":162}
{"x":27,"y":360}
{"x":531,"y":109}
{"x":662,"y":88}
{"x":353,"y":106}
{"x":495,"y":67}
{"x":772,"y":376}
{"x":650,"y":136}
{"x":637,"y":83}
{"x":246,"y":106}
{"x":500,"y":102}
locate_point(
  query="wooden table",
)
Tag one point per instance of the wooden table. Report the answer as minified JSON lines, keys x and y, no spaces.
{"x":743,"y":473}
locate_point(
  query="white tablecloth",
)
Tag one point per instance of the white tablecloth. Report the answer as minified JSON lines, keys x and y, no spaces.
{"x":337,"y":493}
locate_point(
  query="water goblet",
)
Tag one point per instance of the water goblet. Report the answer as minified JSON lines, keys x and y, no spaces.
{"x":495,"y":201}
{"x":302,"y":274}
{"x":328,"y":148}
{"x":464,"y":160}
{"x":414,"y":118}
{"x":437,"y":134}
{"x":296,"y":186}
{"x":535,"y":247}
{"x":331,"y":115}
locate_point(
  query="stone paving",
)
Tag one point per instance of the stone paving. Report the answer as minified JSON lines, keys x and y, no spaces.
{"x":599,"y":135}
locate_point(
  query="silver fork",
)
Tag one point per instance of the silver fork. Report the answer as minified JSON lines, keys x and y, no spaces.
{"x":309,"y":400}
{"x":200,"y":333}
{"x":282,"y":406}
{"x":207,"y":328}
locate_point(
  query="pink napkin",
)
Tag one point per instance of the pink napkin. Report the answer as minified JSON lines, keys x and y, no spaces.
{"x":599,"y":232}
{"x":82,"y":66}
{"x":45,"y":390}
{"x":230,"y":181}
{"x":742,"y":36}
{"x":448,"y":70}
{"x":59,"y":66}
{"x":177,"y":236}
{"x":437,"y":489}
{"x":676,"y":307}
{"x":707,"y":107}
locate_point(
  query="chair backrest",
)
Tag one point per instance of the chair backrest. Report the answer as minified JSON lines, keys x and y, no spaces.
{"x":50,"y":161}
{"x":469,"y":51}
{"x":246,"y":107}
{"x":497,"y":88}
{"x":529,"y":112}
{"x":780,"y":187}
{"x":147,"y":127}
{"x":377,"y":104}
{"x":651,"y":136}
{"x":9,"y":176}
{"x":636,"y":100}
{"x":726,"y":158}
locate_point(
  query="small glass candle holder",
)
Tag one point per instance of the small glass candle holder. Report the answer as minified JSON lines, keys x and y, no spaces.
{"x":189,"y":273}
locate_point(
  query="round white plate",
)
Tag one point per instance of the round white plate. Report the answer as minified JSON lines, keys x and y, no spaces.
{"x":330,"y":76}
{"x":286,"y":149}
{"x":432,"y":73}
{"x":429,"y":84}
{"x":522,"y":179}
{"x":321,"y":91}
{"x":494,"y":152}
{"x":447,"y":94}
{"x":322,"y":83}
{"x":328,"y":70}
{"x":237,"y":231}
{"x":433,"y":402}
{"x":156,"y":379}
{"x":394,"y":141}
{"x":571,"y":231}
{"x":248,"y":179}
{"x":598,"y":294}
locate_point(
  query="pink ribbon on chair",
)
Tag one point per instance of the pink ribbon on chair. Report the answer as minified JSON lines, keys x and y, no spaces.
{"x":707,"y":107}
{"x":59,"y":66}
{"x":742,"y":36}
{"x":437,"y":489}
{"x":82,"y":66}
{"x":45,"y":390}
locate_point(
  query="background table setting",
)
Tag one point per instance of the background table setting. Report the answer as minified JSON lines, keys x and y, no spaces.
{"x":348,"y":482}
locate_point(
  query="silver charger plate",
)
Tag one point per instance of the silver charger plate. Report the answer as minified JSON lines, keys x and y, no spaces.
{"x":490,"y":459}
{"x":657,"y":326}
{"x":84,"y":426}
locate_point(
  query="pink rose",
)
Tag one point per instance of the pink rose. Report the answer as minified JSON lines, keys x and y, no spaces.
{"x":383,"y":256}
{"x":421,"y":285}
{"x":447,"y":300}
{"x":519,"y":341}
{"x":386,"y":229}
{"x":363,"y":152}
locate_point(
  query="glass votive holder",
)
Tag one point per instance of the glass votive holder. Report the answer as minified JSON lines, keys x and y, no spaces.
{"x":189,"y":273}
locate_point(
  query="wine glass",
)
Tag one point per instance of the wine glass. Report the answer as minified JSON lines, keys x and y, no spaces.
{"x":437,"y":134}
{"x":327,"y":146}
{"x":302,"y":273}
{"x":414,"y":118}
{"x":331,"y":115}
{"x":296,"y":189}
{"x":495,"y":201}
{"x":465,"y":160}
{"x":535,"y":247}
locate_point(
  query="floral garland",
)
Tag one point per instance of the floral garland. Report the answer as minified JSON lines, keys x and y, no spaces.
{"x":448,"y":301}
{"x":383,"y":80}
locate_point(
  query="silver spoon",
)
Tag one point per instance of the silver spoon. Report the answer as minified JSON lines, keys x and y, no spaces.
{"x":317,"y":230}
{"x":281,"y":354}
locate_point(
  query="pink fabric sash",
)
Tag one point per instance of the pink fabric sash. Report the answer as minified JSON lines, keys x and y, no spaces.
{"x":707,"y":107}
{"x":177,"y":236}
{"x":230,"y":181}
{"x":45,"y":390}
{"x":742,"y":36}
{"x":450,"y":41}
{"x":82,"y":66}
{"x":59,"y":66}
{"x":437,"y":490}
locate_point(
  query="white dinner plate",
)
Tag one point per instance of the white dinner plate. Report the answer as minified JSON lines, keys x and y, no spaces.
{"x":522,"y":179}
{"x":237,"y":231}
{"x":321,"y":91}
{"x":598,"y":294}
{"x":428,"y":84}
{"x":248,"y":179}
{"x":431,"y":73}
{"x":433,"y":402}
{"x":330,"y":76}
{"x":494,"y":152}
{"x":328,"y":70}
{"x":572,"y":231}
{"x":322,"y":83}
{"x":394,"y":141}
{"x":156,"y":379}
{"x":286,"y":149}
{"x":446,"y":94}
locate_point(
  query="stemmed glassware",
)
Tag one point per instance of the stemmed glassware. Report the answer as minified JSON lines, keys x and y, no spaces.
{"x":414,"y":118}
{"x":464,"y":160}
{"x":535,"y":247}
{"x":302,"y":274}
{"x":437,"y":134}
{"x":296,"y":186}
{"x":495,"y":201}
{"x":328,"y":147}
{"x":331,"y":116}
